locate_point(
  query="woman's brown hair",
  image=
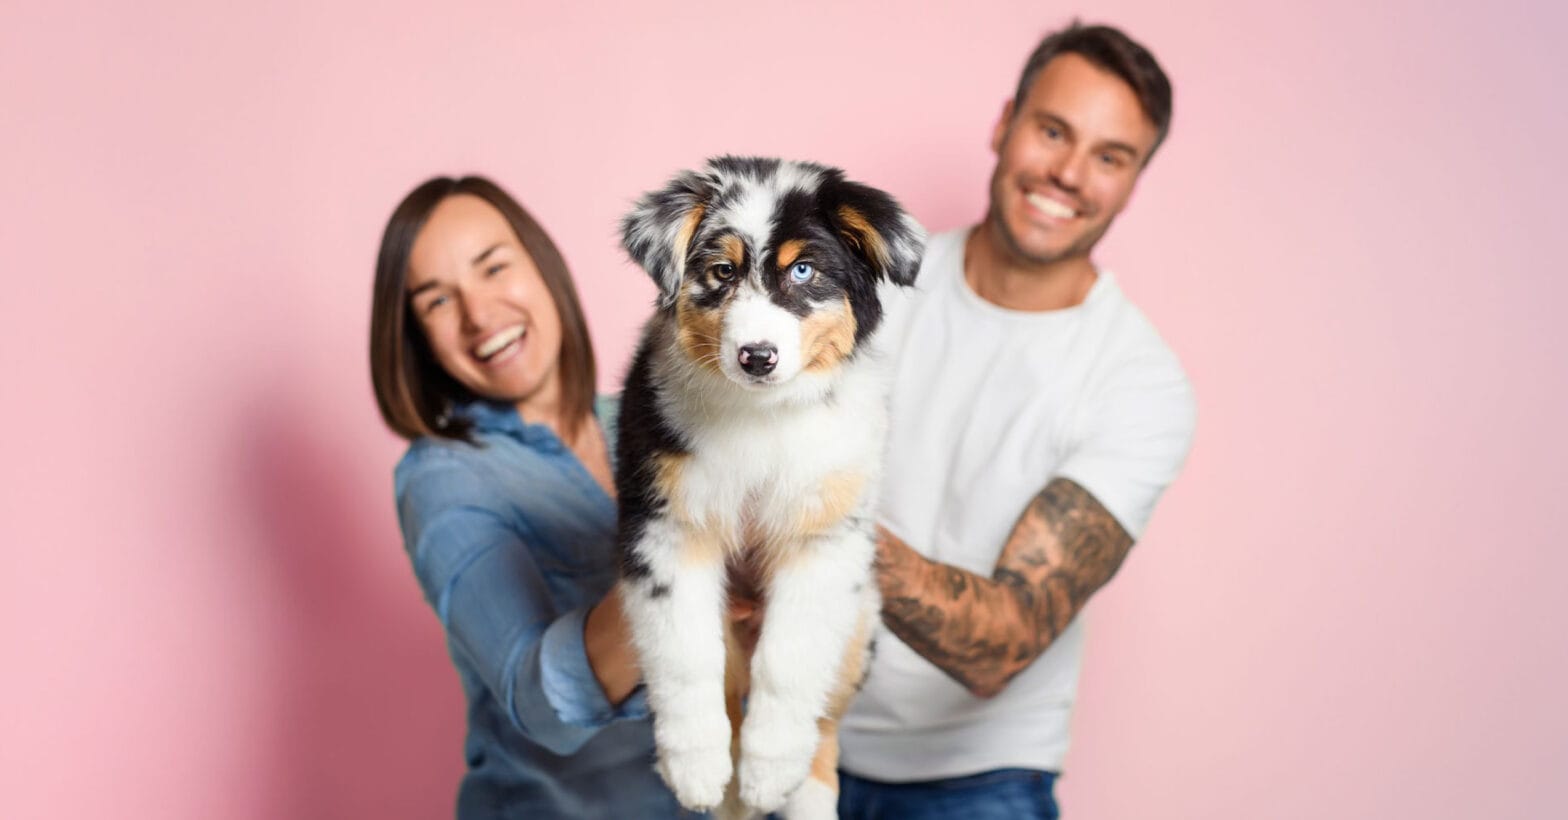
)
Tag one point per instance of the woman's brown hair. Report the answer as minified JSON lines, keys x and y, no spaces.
{"x":416,"y":395}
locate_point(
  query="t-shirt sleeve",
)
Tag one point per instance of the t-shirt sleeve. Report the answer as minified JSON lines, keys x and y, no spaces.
{"x":474,"y":564}
{"x":1136,"y":432}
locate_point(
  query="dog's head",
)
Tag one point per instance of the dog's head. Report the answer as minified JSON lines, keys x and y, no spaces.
{"x":771,"y":267}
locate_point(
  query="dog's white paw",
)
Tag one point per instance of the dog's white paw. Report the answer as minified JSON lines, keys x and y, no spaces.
{"x":776,"y":754}
{"x":765,"y":782}
{"x":697,"y":776}
{"x":814,"y":800}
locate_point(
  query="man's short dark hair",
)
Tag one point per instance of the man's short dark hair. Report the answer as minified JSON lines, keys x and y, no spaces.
{"x":1115,"y":52}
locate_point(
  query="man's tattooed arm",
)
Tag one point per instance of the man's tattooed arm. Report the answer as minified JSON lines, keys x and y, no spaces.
{"x":983,"y":631}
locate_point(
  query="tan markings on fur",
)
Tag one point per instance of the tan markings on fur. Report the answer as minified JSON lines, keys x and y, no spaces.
{"x":827,"y":337}
{"x":852,"y":670}
{"x":700,"y":544}
{"x":683,"y":236}
{"x":789,"y":252}
{"x":778,"y":546}
{"x":863,"y":235}
{"x":835,"y":500}
{"x":668,"y":472}
{"x":734,"y":250}
{"x":737,"y":682}
{"x":824,"y":766}
{"x":698,"y":331}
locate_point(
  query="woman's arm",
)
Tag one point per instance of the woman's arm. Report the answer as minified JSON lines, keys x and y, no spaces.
{"x":490,"y":594}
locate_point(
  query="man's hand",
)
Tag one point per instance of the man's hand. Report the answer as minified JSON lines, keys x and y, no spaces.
{"x":983,"y":631}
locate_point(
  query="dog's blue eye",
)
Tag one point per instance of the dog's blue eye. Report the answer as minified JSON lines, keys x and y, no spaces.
{"x":802,"y":272}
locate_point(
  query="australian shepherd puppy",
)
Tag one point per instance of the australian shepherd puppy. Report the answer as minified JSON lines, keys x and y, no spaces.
{"x":751,"y":441}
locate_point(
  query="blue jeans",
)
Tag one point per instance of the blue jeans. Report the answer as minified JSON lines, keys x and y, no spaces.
{"x":1002,"y":794}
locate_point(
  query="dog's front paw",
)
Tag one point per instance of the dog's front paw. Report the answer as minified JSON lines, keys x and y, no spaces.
{"x":697,"y":776}
{"x":776,"y":752}
{"x":765,"y":782}
{"x":814,"y":800}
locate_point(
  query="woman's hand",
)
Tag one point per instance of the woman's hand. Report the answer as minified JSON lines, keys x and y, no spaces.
{"x":608,"y":640}
{"x":607,"y":637}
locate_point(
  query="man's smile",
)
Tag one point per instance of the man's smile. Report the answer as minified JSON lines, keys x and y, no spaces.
{"x":1053,"y":208}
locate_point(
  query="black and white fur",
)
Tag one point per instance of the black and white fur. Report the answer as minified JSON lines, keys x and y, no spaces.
{"x":751,"y":441}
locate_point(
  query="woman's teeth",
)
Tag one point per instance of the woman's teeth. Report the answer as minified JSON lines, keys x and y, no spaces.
{"x":1050,"y":206}
{"x":499,"y":342}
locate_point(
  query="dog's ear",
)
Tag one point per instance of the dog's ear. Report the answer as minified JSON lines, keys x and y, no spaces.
{"x":873,"y":224}
{"x":658,"y":231}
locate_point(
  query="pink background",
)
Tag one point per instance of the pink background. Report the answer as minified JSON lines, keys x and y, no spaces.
{"x":1348,"y":606}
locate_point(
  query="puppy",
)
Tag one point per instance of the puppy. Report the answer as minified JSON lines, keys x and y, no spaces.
{"x":751,"y":441}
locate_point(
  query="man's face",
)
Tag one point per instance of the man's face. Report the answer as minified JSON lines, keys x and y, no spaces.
{"x":1066,"y":161}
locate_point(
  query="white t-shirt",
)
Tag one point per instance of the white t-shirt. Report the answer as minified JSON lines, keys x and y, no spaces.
{"x":988,"y":405}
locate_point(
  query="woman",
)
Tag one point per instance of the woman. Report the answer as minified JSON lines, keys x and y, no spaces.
{"x":480,"y":357}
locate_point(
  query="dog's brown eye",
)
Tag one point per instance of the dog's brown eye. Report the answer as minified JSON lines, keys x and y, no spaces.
{"x":723,"y":271}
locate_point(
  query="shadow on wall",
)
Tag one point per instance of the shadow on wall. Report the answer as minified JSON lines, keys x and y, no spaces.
{"x":370,"y":712}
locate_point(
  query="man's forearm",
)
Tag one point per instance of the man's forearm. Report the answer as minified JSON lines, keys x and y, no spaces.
{"x":983,"y":631}
{"x":979,"y":631}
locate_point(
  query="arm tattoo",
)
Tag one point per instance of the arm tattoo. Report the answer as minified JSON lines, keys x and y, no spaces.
{"x":983,"y":631}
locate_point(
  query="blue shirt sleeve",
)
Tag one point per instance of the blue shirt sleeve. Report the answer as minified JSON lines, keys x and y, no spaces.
{"x":471,"y":555}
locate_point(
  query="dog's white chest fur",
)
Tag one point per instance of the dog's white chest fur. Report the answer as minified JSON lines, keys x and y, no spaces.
{"x":756,"y":467}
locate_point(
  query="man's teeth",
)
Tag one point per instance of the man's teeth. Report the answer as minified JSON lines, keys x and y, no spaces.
{"x":495,"y":344}
{"x":1051,"y":207}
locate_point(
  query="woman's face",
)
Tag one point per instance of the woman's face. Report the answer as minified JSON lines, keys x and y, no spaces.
{"x":483,"y":305}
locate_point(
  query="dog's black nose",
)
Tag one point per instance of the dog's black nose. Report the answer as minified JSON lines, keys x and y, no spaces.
{"x":759,"y":359}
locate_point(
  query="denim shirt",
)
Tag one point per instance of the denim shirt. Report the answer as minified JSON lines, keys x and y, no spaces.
{"x":513,"y":541}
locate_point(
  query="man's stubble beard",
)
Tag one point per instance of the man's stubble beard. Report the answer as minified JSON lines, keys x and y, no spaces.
{"x":1016,"y":250}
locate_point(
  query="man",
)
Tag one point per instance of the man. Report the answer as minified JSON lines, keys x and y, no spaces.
{"x":1025,"y":381}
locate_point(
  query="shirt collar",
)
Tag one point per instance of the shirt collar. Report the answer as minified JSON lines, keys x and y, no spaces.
{"x":499,"y":417}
